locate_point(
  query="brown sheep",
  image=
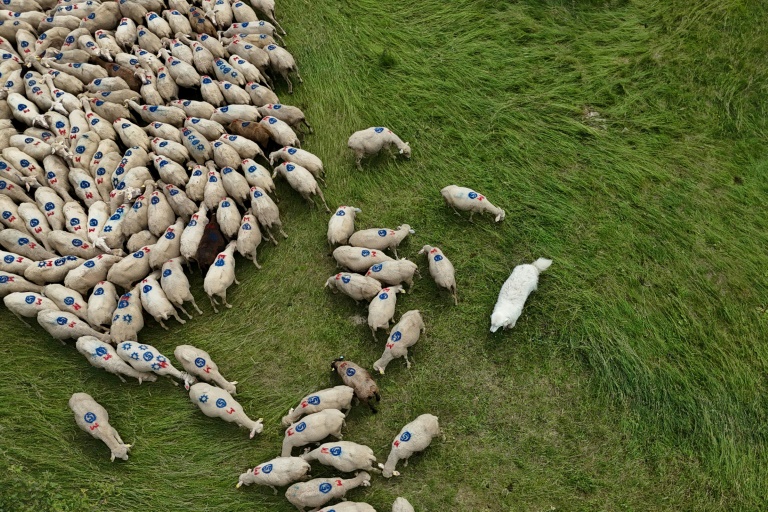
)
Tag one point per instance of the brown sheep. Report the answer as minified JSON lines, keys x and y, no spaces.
{"x":358,"y":379}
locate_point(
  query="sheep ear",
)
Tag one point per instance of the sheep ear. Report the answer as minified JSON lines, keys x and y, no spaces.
{"x":401,"y":151}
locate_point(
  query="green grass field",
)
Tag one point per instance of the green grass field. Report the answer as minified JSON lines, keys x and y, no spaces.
{"x":625,"y":140}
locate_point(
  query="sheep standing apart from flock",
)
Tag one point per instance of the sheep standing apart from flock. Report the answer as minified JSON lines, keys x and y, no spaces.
{"x":94,"y":419}
{"x":466,"y":199}
{"x":372,"y":140}
{"x":515,"y":291}
{"x":416,"y":436}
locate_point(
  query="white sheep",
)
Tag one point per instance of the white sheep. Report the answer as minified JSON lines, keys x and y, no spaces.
{"x":354,"y":285}
{"x":102,"y":355}
{"x":249,"y":238}
{"x":344,"y":456}
{"x":381,"y":309}
{"x":176,"y":285}
{"x":314,"y":427}
{"x":101,"y":303}
{"x":414,"y":437}
{"x":127,"y":319}
{"x":338,"y":397}
{"x":146,"y":358}
{"x":381,"y":238}
{"x":221,"y":275}
{"x":277,"y":472}
{"x":403,"y":335}
{"x":468,"y":200}
{"x":441,"y":269}
{"x":198,"y":362}
{"x":316,"y":493}
{"x":93,"y":419}
{"x":348,"y":506}
{"x":299,"y":156}
{"x":193,"y":233}
{"x":374,"y":139}
{"x":27,"y":304}
{"x":394,"y":272}
{"x":302,"y":181}
{"x":358,"y":259}
{"x":217,"y":403}
{"x":401,"y":505}
{"x":168,"y":245}
{"x":63,"y":325}
{"x":130,"y":269}
{"x":90,"y":273}
{"x":52,"y":270}
{"x":514,"y":292}
{"x":155,"y":302}
{"x":266,"y":211}
{"x":341,"y":224}
{"x":228,"y":217}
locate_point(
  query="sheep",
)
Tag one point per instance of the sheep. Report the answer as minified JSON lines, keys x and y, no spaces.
{"x":314,"y":427}
{"x":381,"y":238}
{"x":299,"y":156}
{"x":342,"y":223}
{"x":381,"y":309}
{"x":344,"y":456}
{"x":292,"y":116}
{"x":10,"y":283}
{"x":245,"y":147}
{"x":160,"y":215}
{"x":257,"y":175}
{"x":63,"y":325}
{"x":16,"y":241}
{"x":394,"y":272}
{"x":414,"y":437}
{"x":348,"y":506}
{"x":403,"y":335}
{"x":102,"y":355}
{"x":91,"y":272}
{"x":92,"y":418}
{"x":277,"y":472}
{"x":354,"y":285}
{"x":228,"y":217}
{"x":338,"y":397}
{"x":130,"y":269}
{"x":193,"y":233}
{"x":198,"y":363}
{"x":14,"y":263}
{"x":67,"y":300}
{"x":266,"y":212}
{"x":168,"y":246}
{"x":236,"y":186}
{"x":53,"y":270}
{"x":280,"y":131}
{"x":216,"y":402}
{"x":220,"y":276}
{"x":249,"y":238}
{"x":401,"y":505}
{"x":9,"y":214}
{"x":101,"y":304}
{"x":374,"y":139}
{"x":154,"y":301}
{"x":176,"y":285}
{"x":514,"y":292}
{"x":224,"y":155}
{"x":182,"y":205}
{"x":282,"y":62}
{"x":302,"y":181}
{"x":214,"y":190}
{"x":27,"y":304}
{"x":442,"y":270}
{"x":267,"y":7}
{"x":127,"y":319}
{"x":211,"y":244}
{"x":146,"y":358}
{"x":316,"y":493}
{"x":68,"y":244}
{"x":466,"y":199}
{"x":359,"y":379}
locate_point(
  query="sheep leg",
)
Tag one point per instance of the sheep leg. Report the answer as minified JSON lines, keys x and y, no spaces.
{"x":298,"y":75}
{"x":275,"y":22}
{"x":213,"y":304}
{"x":184,"y":311}
{"x":359,"y":159}
{"x":290,"y":84}
{"x":394,"y":251}
{"x":271,"y":237}
{"x":455,"y":297}
{"x":470,"y":216}
{"x":322,"y":198}
{"x":178,"y":318}
{"x":407,"y":362}
{"x":224,"y":299}
{"x":195,"y":305}
{"x":373,"y":332}
{"x":311,"y":130}
{"x":255,"y":262}
{"x":282,"y":232}
{"x":160,"y":321}
{"x":274,"y":489}
{"x":22,"y":319}
{"x":121,"y":378}
{"x":236,"y":281}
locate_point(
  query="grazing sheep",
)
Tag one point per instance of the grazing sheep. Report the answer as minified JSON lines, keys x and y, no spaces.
{"x":176,"y":285}
{"x":358,"y":378}
{"x":441,"y":270}
{"x":265,"y":210}
{"x":394,"y":272}
{"x":414,"y":437}
{"x":127,"y":319}
{"x":93,"y":419}
{"x":514,"y":292}
{"x":102,"y":355}
{"x":62,"y":326}
{"x":146,"y":358}
{"x":316,"y":493}
{"x":275,"y":473}
{"x":217,"y":403}
{"x":344,"y":456}
{"x":314,"y":427}
{"x":374,"y":139}
{"x":354,"y":285}
{"x":249,"y":238}
{"x":381,"y":310}
{"x":198,"y":363}
{"x":154,"y":301}
{"x":402,"y":505}
{"x":404,"y":334}
{"x":27,"y":304}
{"x":299,"y":156}
{"x":338,"y":397}
{"x":102,"y":303}
{"x":381,"y":238}
{"x":468,"y":200}
{"x":302,"y":181}
{"x":342,"y":224}
{"x":292,"y":116}
{"x":221,"y":275}
{"x":358,"y":259}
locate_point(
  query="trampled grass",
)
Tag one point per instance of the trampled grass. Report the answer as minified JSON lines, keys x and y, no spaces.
{"x":625,"y":141}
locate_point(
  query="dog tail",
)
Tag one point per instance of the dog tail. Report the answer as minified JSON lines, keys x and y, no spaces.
{"x":542,"y":264}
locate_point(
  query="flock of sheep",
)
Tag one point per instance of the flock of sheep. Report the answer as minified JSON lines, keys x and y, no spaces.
{"x":111,"y":181}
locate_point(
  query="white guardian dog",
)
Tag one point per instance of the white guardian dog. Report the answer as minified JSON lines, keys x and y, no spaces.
{"x":516,"y":289}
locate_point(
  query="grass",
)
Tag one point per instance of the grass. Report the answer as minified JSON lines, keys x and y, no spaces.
{"x":625,"y":141}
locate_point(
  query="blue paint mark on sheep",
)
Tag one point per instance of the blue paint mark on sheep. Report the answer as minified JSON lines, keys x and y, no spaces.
{"x":336,"y":451}
{"x":89,"y":417}
{"x":438,"y":257}
{"x":351,"y":372}
{"x":405,"y":437}
{"x":199,"y":362}
{"x":266,"y":469}
{"x":325,"y":488}
{"x":148,"y":356}
{"x":221,"y":403}
{"x":396,"y":336}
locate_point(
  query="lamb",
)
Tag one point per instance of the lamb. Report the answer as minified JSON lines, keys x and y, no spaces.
{"x":394,"y":272}
{"x":102,"y":355}
{"x":402,"y":505}
{"x":155,"y":302}
{"x":127,"y":320}
{"x":381,"y":310}
{"x":176,"y":285}
{"x":404,"y":334}
{"x":221,"y":276}
{"x":249,"y":238}
{"x":62,"y":326}
{"x":354,"y":285}
{"x":381,"y":238}
{"x":514,"y":292}
{"x":342,"y":223}
{"x":344,"y":456}
{"x":198,"y":363}
{"x":265,"y":210}
{"x":316,"y":493}
{"x":414,"y":437}
{"x":277,"y":472}
{"x":92,"y":418}
{"x":441,"y":270}
{"x":27,"y":304}
{"x":359,"y":379}
{"x":374,"y":139}
{"x":314,"y":427}
{"x":215,"y":402}
{"x":302,"y":181}
{"x":338,"y":397}
{"x":468,"y":200}
{"x":146,"y":358}
{"x":299,"y":156}
{"x":102,"y":303}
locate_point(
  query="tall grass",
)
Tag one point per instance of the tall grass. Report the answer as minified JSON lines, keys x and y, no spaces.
{"x":625,"y":141}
